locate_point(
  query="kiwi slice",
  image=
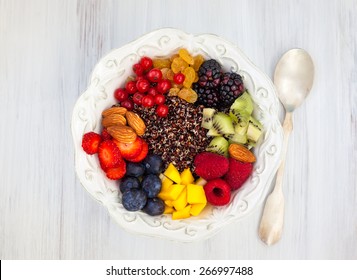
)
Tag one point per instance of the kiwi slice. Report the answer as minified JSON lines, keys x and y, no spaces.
{"x":218,"y":145}
{"x":237,"y":138}
{"x":222,"y":124}
{"x":207,"y":117}
{"x":254,"y":130}
{"x":243,"y":104}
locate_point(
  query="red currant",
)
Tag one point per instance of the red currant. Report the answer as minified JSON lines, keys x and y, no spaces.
{"x":148,"y":101}
{"x":159,"y":99}
{"x":179,"y":78}
{"x":163,"y":86}
{"x":146,"y":63}
{"x":128,"y":104}
{"x":138,"y":97}
{"x":142,"y":85}
{"x":120,"y":94}
{"x":138,"y":69}
{"x":131,"y":87}
{"x":154,"y":75}
{"x":162,"y":110}
{"x":152,"y":91}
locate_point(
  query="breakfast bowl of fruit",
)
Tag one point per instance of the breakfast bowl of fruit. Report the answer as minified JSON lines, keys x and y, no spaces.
{"x":177,"y":135}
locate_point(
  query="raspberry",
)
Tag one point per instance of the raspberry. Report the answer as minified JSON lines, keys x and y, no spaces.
{"x":210,"y":165}
{"x":217,"y":192}
{"x":238,"y":173}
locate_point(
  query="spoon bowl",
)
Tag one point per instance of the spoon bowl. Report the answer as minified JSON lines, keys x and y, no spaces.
{"x":293,"y":78}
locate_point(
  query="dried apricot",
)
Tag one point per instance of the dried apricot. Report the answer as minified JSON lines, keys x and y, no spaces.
{"x":190,"y":75}
{"x":185,"y":55}
{"x":173,"y":57}
{"x":161,"y":63}
{"x":173,"y":91}
{"x":178,"y":65}
{"x":170,"y":75}
{"x":164,"y":72}
{"x":198,"y":60}
{"x":188,"y":95}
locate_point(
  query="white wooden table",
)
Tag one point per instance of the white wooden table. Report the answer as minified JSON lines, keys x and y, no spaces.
{"x":47,"y":51}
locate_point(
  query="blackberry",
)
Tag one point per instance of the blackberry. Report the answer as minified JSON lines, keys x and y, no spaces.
{"x":230,"y":88}
{"x":208,"y":97}
{"x":209,"y":74}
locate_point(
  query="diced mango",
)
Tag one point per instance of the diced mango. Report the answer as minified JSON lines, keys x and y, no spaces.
{"x":164,"y":193}
{"x":168,"y":210}
{"x":181,"y":201}
{"x":175,"y":191}
{"x":182,"y":214}
{"x":196,"y":209}
{"x":187,"y":177}
{"x":172,"y":173}
{"x":195,"y":194}
{"x":166,"y":182}
{"x":200,"y":181}
{"x":169,"y":203}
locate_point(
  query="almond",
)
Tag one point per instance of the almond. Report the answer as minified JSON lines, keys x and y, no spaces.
{"x":114,"y":110}
{"x":241,"y":153}
{"x":113,"y":119}
{"x":122,"y":133}
{"x":135,"y":122}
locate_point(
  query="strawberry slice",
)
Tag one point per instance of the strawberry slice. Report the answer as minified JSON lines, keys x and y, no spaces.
{"x":90,"y":142}
{"x":105,"y":135}
{"x":109,"y":155}
{"x":132,"y":150}
{"x":117,"y":173}
{"x":142,"y":154}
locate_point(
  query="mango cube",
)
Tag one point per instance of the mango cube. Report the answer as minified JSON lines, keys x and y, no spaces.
{"x":175,"y":191}
{"x":181,"y":201}
{"x":182,"y":214}
{"x":164,"y":193}
{"x":168,"y":210}
{"x":172,"y":173}
{"x":196,"y":209}
{"x":195,"y":194}
{"x":166,"y":182}
{"x":187,"y":177}
{"x":169,"y":203}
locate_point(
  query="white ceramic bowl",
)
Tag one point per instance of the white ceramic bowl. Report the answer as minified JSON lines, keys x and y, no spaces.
{"x":112,"y":71}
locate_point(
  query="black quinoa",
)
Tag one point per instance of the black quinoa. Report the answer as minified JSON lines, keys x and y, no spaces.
{"x":178,"y":137}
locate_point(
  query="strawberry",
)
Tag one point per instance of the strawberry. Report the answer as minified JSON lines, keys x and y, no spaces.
{"x":130,"y":150}
{"x":218,"y":192}
{"x":143,"y":153}
{"x":90,"y":142}
{"x":117,"y":173}
{"x":238,"y":173}
{"x":109,"y":155}
{"x":105,"y":135}
{"x":210,"y":165}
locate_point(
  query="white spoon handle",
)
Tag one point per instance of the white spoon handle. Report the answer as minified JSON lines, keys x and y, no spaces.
{"x":271,"y":224}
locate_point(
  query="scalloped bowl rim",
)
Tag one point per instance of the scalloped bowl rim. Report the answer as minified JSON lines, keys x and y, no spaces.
{"x":112,"y":70}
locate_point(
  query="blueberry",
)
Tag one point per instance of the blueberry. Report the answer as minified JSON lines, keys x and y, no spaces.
{"x":151,"y":184}
{"x":154,"y":206}
{"x":134,"y":169}
{"x":153,"y":164}
{"x":128,"y":183}
{"x":134,"y":199}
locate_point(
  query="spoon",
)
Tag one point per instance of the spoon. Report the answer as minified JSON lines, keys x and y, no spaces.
{"x":293,"y":78}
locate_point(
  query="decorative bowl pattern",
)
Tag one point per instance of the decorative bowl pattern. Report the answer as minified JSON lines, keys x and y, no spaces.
{"x":112,"y":71}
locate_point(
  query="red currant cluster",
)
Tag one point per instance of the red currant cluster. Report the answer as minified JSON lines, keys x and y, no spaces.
{"x":147,"y":89}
